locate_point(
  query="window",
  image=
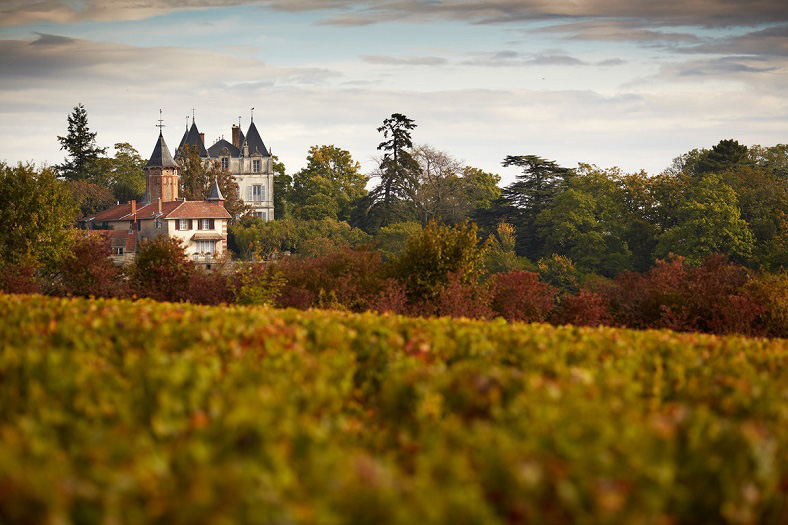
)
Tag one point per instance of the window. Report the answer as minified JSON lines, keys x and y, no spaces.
{"x":257,"y":165}
{"x":225,"y":163}
{"x":263,"y":215}
{"x":259,"y":214}
{"x":158,"y":224}
{"x":256,"y":193}
{"x":118,"y":250}
{"x":183,"y":224}
{"x":205,"y":224}
{"x":131,"y":227}
{"x":207,"y":247}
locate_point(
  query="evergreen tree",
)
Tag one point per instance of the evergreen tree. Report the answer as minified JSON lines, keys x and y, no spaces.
{"x":533,"y":192}
{"x":80,"y":143}
{"x":392,"y":200}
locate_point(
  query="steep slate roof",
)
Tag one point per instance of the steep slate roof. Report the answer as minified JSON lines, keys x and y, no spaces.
{"x":161,"y":157}
{"x":193,"y":140}
{"x":216,"y":193}
{"x":255,"y":142}
{"x":183,"y":140}
{"x":215,"y":151}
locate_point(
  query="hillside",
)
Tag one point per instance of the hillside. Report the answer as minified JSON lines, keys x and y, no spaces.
{"x":121,"y":412}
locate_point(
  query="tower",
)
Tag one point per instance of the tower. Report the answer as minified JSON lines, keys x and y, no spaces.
{"x":162,"y":174}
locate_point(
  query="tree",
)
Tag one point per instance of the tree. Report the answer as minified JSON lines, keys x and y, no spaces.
{"x":531,"y":193}
{"x":80,"y":143}
{"x":727,"y":154}
{"x":91,"y":198}
{"x":126,"y":178}
{"x":161,"y":270}
{"x":37,"y":213}
{"x":283,"y":187}
{"x":392,"y":199}
{"x":197,"y":179}
{"x":346,"y":184}
{"x":708,"y":222}
{"x":431,"y":257}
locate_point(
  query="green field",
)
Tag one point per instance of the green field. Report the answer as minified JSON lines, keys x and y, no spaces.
{"x":116,"y":412}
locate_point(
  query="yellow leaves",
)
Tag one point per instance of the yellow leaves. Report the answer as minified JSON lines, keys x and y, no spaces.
{"x":178,"y":413}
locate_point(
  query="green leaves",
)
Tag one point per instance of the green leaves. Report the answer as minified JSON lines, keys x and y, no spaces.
{"x":145,"y":412}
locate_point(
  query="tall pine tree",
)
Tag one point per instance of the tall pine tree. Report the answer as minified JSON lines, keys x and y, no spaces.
{"x":83,"y":154}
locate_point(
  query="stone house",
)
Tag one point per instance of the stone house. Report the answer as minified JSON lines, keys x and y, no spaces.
{"x":201,"y":226}
{"x":246,"y":158}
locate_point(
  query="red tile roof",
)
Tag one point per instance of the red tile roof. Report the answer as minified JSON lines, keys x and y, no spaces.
{"x":117,"y":238}
{"x":199,"y":210}
{"x":170,"y":210}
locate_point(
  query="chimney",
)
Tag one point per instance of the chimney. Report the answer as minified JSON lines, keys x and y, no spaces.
{"x":159,"y":204}
{"x":202,"y":138}
{"x":236,"y":136}
{"x":134,"y":209}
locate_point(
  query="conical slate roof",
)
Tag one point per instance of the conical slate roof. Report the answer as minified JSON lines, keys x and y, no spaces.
{"x":193,"y":140}
{"x":255,"y":142}
{"x":216,"y":193}
{"x":161,"y":157}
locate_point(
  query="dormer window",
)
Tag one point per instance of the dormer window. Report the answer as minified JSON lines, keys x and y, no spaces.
{"x":225,"y":163}
{"x":257,"y":165}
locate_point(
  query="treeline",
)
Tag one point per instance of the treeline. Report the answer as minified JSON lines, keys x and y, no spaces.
{"x":730,"y":199}
{"x":441,"y":271}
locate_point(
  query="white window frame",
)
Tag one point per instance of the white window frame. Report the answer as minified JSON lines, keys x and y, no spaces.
{"x":205,"y":224}
{"x":257,"y":165}
{"x":206,"y":247}
{"x":183,"y":224}
{"x":118,"y":250}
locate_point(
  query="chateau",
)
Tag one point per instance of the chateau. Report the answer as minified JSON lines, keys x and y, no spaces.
{"x":246,"y":158}
{"x":200,"y":226}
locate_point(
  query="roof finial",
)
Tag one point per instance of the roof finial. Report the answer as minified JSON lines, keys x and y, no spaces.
{"x":160,"y":125}
{"x":192,"y":116}
{"x":252,"y":115}
{"x":239,"y":121}
{"x":187,"y":122}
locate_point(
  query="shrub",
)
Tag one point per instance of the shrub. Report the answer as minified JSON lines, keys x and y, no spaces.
{"x":20,"y":278}
{"x":435,"y":253}
{"x":161,"y":270}
{"x":346,"y":278}
{"x":710,"y":298}
{"x":88,"y":269}
{"x":520,"y":296}
{"x":585,"y":308}
{"x":471,"y":300}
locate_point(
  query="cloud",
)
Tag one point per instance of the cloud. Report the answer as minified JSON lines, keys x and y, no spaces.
{"x":51,"y":40}
{"x":404,"y":61}
{"x":709,"y":13}
{"x":771,"y":41}
{"x":509,"y":58}
{"x":620,"y":30}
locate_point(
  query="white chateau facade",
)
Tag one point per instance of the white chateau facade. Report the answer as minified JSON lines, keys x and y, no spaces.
{"x":246,"y":158}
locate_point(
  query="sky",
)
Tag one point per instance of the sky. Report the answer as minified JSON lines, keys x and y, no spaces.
{"x":625,"y":83}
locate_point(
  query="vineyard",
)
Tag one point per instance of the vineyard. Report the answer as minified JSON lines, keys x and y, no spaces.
{"x":116,"y":412}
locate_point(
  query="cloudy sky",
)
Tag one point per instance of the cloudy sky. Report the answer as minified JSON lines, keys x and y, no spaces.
{"x":626,"y":83}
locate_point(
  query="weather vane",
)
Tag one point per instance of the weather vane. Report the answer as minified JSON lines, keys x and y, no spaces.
{"x":252,"y":114}
{"x":160,"y":125}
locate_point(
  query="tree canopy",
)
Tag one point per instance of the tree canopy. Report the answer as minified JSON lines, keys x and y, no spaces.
{"x":80,"y":145}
